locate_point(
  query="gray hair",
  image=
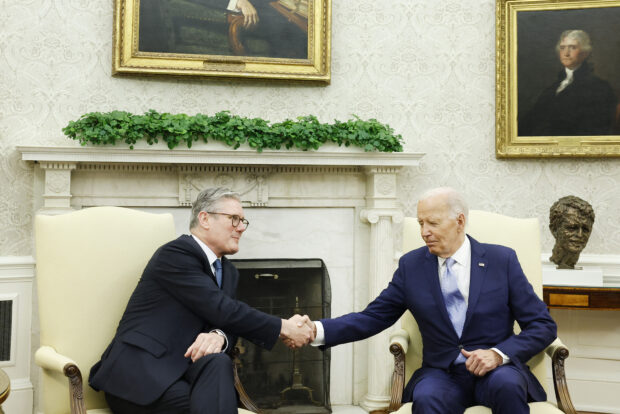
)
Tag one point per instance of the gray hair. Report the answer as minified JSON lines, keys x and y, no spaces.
{"x":580,"y":36}
{"x":208,"y":199}
{"x":456,"y":202}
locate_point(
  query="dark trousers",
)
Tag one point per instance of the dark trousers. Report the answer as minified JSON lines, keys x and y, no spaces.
{"x":504,"y":390}
{"x":206,"y":388}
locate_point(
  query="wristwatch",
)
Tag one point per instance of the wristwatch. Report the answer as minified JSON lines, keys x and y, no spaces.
{"x":223,"y":335}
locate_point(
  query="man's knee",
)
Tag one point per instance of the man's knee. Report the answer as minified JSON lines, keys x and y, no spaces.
{"x":220,"y":360}
{"x":504,"y":390}
{"x":435,"y":398}
{"x":505,"y":381}
{"x":212,"y":365}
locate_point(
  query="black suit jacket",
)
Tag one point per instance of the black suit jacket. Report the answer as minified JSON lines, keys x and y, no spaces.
{"x":586,"y":107}
{"x":176,"y":299}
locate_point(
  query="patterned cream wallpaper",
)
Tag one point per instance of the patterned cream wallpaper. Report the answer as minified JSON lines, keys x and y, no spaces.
{"x":425,"y":67}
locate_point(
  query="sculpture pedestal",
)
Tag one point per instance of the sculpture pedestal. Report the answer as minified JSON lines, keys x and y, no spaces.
{"x":586,"y":276}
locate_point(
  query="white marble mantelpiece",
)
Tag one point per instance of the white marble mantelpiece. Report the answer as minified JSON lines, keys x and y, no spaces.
{"x":217,"y":153}
{"x":324,"y":186}
{"x":73,"y":177}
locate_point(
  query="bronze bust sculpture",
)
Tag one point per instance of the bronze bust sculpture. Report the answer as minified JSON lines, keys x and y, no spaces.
{"x":570,"y":222}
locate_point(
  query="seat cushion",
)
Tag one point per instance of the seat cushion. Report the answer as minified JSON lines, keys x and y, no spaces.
{"x":535,"y":408}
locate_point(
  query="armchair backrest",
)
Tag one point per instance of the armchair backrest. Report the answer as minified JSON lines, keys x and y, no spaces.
{"x":520,"y":234}
{"x":88,"y":263}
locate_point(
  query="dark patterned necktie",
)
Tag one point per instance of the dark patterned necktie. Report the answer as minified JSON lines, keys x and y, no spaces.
{"x":218,"y":272}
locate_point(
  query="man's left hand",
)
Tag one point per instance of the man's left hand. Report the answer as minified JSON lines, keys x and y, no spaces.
{"x":205,"y":344}
{"x":481,"y":361}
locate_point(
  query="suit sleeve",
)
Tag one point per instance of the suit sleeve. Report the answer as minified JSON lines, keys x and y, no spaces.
{"x":380,"y":314}
{"x":537,"y":327}
{"x":181,"y":272}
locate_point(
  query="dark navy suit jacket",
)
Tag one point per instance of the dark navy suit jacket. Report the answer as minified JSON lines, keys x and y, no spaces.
{"x":176,"y":299}
{"x":499,"y":294}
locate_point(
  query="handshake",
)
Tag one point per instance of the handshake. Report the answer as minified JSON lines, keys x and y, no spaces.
{"x":297,"y":331}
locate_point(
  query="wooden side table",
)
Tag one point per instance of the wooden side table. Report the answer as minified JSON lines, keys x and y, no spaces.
{"x":573,"y":297}
{"x":5,"y":388}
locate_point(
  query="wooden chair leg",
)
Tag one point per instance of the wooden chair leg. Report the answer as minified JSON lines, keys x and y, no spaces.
{"x":235,"y":26}
{"x":244,"y":398}
{"x":559,"y":381}
{"x":398,"y":377}
{"x":76,"y":391}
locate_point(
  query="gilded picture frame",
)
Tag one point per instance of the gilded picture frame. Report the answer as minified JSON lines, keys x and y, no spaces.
{"x":536,"y":116}
{"x":267,"y":39}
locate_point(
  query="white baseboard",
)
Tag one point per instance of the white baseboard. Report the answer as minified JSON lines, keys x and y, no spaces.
{"x":20,"y":399}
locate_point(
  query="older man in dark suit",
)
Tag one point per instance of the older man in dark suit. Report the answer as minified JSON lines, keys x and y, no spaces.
{"x":169,"y":351}
{"x":465,"y":297}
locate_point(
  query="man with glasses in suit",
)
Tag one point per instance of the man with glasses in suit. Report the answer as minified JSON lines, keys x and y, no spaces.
{"x":169,"y":354}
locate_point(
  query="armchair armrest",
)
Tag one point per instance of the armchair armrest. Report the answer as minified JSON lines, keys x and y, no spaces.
{"x":399,"y":343}
{"x":558,"y":352}
{"x":47,"y":358}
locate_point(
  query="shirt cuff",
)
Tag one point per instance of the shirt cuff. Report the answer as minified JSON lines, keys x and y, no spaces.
{"x":505,"y":358}
{"x":222,"y":334}
{"x":319,"y":339}
{"x":232,"y":5}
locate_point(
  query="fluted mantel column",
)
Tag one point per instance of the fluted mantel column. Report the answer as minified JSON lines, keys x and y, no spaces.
{"x":382,"y":213}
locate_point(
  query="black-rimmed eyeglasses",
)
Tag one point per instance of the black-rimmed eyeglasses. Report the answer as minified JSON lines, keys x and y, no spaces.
{"x":234,"y":218}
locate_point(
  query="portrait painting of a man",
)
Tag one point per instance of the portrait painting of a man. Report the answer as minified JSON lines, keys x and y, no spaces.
{"x":229,"y":39}
{"x":569,"y":88}
{"x":251,"y":28}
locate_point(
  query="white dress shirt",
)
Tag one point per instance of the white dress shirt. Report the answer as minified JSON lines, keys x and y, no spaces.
{"x":212,"y":257}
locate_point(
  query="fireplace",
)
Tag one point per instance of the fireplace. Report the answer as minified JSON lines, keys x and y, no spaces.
{"x":284,"y":380}
{"x":335,"y":203}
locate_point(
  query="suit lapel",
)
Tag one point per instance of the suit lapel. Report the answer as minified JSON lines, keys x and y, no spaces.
{"x":205,"y":260}
{"x":228,"y":277}
{"x":479,"y":265}
{"x":431,"y":269}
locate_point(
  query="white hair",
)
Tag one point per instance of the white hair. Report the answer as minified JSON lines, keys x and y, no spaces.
{"x":580,"y":36}
{"x":455,"y":201}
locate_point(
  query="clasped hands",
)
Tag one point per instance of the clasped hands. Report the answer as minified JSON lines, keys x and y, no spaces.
{"x":297,"y":331}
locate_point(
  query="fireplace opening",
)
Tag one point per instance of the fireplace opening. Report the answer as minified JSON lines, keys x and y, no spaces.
{"x":284,"y":380}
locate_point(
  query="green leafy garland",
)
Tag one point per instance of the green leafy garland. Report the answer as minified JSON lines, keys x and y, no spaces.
{"x":306,"y":133}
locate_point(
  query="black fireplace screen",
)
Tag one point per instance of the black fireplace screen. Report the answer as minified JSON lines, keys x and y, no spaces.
{"x":284,"y":380}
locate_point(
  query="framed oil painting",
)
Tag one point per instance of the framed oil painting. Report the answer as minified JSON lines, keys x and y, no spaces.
{"x":264,"y":39}
{"x":557,"y":78}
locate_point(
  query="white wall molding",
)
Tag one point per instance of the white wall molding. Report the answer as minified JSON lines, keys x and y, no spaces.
{"x":610,"y":263}
{"x":16,"y":278}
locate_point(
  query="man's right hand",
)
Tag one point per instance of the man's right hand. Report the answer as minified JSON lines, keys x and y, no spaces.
{"x":297,"y":331}
{"x":250,"y":16}
{"x":205,"y":344}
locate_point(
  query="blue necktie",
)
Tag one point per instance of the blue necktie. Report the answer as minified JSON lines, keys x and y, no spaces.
{"x":217,"y":265}
{"x":455,"y":302}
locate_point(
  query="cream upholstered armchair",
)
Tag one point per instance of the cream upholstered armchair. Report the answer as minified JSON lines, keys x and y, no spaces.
{"x":523,"y":236}
{"x":88,"y":263}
